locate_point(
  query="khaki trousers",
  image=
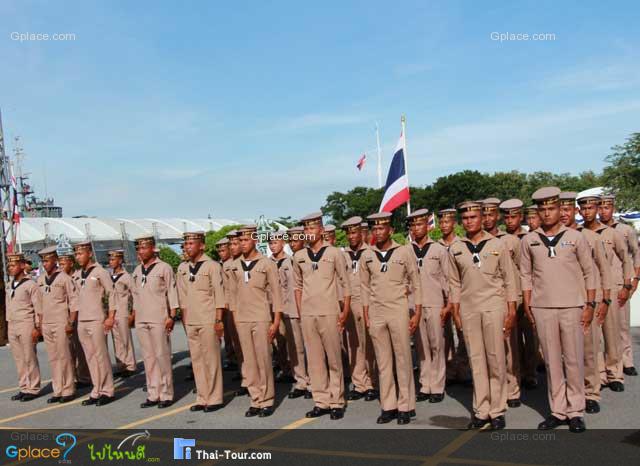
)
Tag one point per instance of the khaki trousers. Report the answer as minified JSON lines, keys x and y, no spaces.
{"x":94,"y":345}
{"x":392,"y":345}
{"x":156,"y":355}
{"x":625,"y":335}
{"x":58,"y":345}
{"x":562,"y":344}
{"x":295,"y":351}
{"x":484,"y":339}
{"x":256,"y":367}
{"x":81,"y":368}
{"x":123,"y":344}
{"x":611,"y":333}
{"x":204,"y":347}
{"x":359,"y":349}
{"x":324,"y":357}
{"x":431,"y":351}
{"x":513,"y":364}
{"x":25,"y":356}
{"x":591,"y":368}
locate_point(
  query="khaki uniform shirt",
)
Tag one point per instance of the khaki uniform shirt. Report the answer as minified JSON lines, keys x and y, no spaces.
{"x":153,"y":300}
{"x":488,"y":286}
{"x":447,"y":246}
{"x":603,"y":272}
{"x":561,"y":281}
{"x":319,"y":289}
{"x":122,"y":293}
{"x":285,"y":274}
{"x":385,"y":292}
{"x":352,"y":265}
{"x":252,"y":296}
{"x":512,"y":242}
{"x":621,"y":254}
{"x":226,"y":271}
{"x":25,"y":303}
{"x":434,"y":273}
{"x":58,"y":299}
{"x":631,"y":238}
{"x":97,"y":284}
{"x":200,"y":298}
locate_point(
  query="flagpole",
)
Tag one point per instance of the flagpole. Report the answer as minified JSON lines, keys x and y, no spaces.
{"x":379,"y":156}
{"x":403,"y":120}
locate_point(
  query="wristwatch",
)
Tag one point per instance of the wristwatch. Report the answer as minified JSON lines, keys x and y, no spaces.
{"x":627,"y":287}
{"x":591,"y":304}
{"x":607,"y":302}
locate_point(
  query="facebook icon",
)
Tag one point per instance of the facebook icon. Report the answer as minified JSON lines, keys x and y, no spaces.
{"x":182,"y":448}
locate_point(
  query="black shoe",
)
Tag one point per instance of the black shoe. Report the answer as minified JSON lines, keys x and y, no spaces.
{"x":54,"y":399}
{"x":412,"y":413}
{"x":616,"y":386}
{"x":242,"y":391}
{"x":630,"y":371}
{"x":371,"y":395}
{"x":266,"y":412}
{"x":308,"y":395}
{"x":576,"y":425}
{"x":436,"y":397}
{"x":67,"y":399}
{"x":337,"y":413}
{"x":89,"y":401}
{"x":551,"y":423}
{"x":296,"y":393}
{"x":212,"y":408}
{"x":82,"y":385}
{"x":498,"y":423}
{"x":317,"y":412}
{"x":17,"y":396}
{"x":423,"y":396}
{"x":195,"y":408}
{"x":149,"y":403}
{"x":530,"y":384}
{"x":477,"y":423}
{"x":387,"y":416}
{"x":404,"y":417}
{"x":28,"y":397}
{"x":105,"y":400}
{"x":251,"y":412}
{"x":592,"y":407}
{"x":165,"y":404}
{"x":515,"y":403}
{"x":355,"y":395}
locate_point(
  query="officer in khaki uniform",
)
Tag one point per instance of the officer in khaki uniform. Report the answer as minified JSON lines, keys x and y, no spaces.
{"x":253,"y":277}
{"x":23,"y":302}
{"x":556,"y":268}
{"x":433,"y":266}
{"x":358,"y":341}
{"x":57,"y":321}
{"x":202,"y":302}
{"x":316,"y":268}
{"x":386,"y":270}
{"x":483,"y":291}
{"x":155,"y":301}
{"x":124,"y":319}
{"x":607,"y":210}
{"x":93,"y":283}
{"x":67,"y":260}
{"x":290,"y":327}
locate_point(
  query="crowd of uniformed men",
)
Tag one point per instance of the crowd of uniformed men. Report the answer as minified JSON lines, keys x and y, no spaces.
{"x":492,"y":305}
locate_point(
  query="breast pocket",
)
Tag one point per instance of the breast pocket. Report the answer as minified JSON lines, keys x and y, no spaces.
{"x":156,"y":284}
{"x":489,"y":264}
{"x":396,"y":270}
{"x":433,"y":265}
{"x":326,"y":267}
{"x":258,"y":278}
{"x":203,"y":282}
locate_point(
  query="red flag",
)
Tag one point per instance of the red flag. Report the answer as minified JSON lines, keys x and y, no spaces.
{"x":361,"y":162}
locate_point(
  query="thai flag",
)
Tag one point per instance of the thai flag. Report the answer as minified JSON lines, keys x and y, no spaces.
{"x":396,"y":191}
{"x":431,"y":221}
{"x":361,"y":162}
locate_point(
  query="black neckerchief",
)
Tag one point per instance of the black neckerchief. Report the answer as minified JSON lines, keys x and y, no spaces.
{"x":421,"y":252}
{"x":49,"y":281}
{"x":279,"y":262}
{"x":146,"y":272}
{"x":193,"y":271}
{"x":475,"y":250}
{"x":14,"y":287}
{"x":383,"y":260}
{"x":84,"y":275}
{"x":551,"y":244}
{"x":314,"y":257}
{"x":116,"y":277}
{"x":355,"y":257}
{"x":246,"y":268}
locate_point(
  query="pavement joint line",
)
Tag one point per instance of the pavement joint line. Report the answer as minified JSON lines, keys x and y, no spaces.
{"x":450,"y":447}
{"x":457,"y":460}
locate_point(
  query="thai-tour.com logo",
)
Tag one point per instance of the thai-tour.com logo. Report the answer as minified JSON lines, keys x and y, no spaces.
{"x":131,"y":448}
{"x":49,"y":446}
{"x":185,"y":449}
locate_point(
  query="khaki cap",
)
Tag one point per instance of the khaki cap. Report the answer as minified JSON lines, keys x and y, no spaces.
{"x":82,"y":245}
{"x":469,"y":206}
{"x":222,"y":242}
{"x":352,"y":223}
{"x":568,"y":198}
{"x":314,"y":218}
{"x":116,"y":253}
{"x":144,"y":240}
{"x":48,"y":252}
{"x":193,"y":235}
{"x":547,"y":195}
{"x":380,"y":218}
{"x":512,"y":206}
{"x":15,"y":257}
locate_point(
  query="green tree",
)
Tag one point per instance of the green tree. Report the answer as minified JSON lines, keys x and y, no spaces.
{"x":212,"y":237}
{"x":170,"y":257}
{"x":622,"y":175}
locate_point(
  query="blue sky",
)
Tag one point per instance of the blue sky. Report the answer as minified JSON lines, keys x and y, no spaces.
{"x":236,"y":109}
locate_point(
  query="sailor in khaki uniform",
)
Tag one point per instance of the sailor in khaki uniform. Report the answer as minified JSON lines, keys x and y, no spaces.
{"x":316,"y":268}
{"x":433,"y":266}
{"x":533,"y":217}
{"x":386,"y":270}
{"x":93,"y":284}
{"x":66,"y":261}
{"x":604,"y":282}
{"x":607,"y":210}
{"x":358,"y":341}
{"x":231,"y":341}
{"x":296,"y":238}
{"x":484,"y":293}
{"x":57,"y":322}
{"x":290,"y":327}
{"x":366,"y":233}
{"x":124,"y":318}
{"x":202,"y":302}
{"x":155,"y":300}
{"x":229,"y":317}
{"x":556,"y":268}
{"x":253,"y":277}
{"x":330,"y":234}
{"x":23,"y":302}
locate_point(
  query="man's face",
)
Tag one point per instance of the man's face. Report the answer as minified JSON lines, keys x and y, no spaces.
{"x":313,"y":232}
{"x":223,"y":252}
{"x":83,"y":257}
{"x":567,"y":214}
{"x":381,"y":233}
{"x":512,"y":221}
{"x":146,"y":252}
{"x":66,"y":264}
{"x":366,"y":234}
{"x":330,"y":237}
{"x":15,"y":268}
{"x":589,"y":212}
{"x":295,"y":243}
{"x":354,"y":237}
{"x":234,"y":247}
{"x":276,"y":246}
{"x":472,"y":221}
{"x":533,"y":220}
{"x":549,"y":214}
{"x":490,"y":219}
{"x":419,"y":229}
{"x":247,"y":244}
{"x":115,"y":262}
{"x":49,"y":264}
{"x":193,"y":248}
{"x":447,"y":224}
{"x":606,"y":212}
